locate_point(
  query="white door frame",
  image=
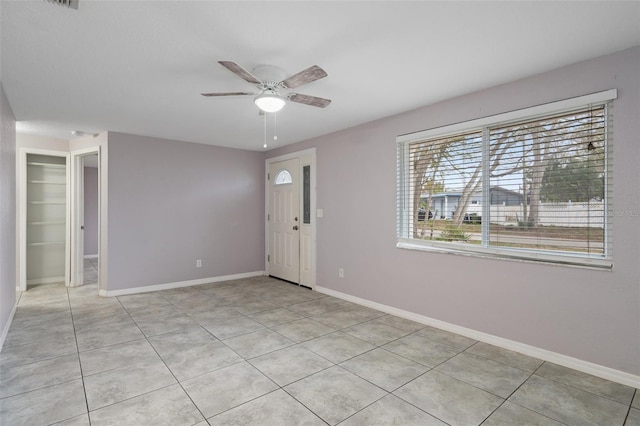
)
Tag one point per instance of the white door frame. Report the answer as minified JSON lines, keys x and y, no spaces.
{"x":311,"y":152}
{"x":77,"y":214}
{"x":21,"y":213}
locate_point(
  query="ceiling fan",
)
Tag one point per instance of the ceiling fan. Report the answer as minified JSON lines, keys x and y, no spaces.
{"x":273,"y":93}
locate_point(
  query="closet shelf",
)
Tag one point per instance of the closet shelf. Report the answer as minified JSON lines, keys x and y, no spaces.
{"x":48,"y":202}
{"x":46,"y":243}
{"x":51,"y":165}
{"x":45,"y":191}
{"x":46,"y":182}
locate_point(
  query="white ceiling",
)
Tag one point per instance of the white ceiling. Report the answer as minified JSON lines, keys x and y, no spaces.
{"x":139,"y":66}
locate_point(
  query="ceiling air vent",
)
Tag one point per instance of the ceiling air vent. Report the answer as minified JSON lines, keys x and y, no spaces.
{"x":66,"y":3}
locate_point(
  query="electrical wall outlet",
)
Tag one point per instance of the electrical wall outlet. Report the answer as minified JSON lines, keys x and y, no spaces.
{"x":199,"y":263}
{"x":340,"y":272}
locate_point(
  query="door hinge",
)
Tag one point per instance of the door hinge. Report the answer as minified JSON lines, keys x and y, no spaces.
{"x":268,"y":258}
{"x":268,"y":176}
{"x":268,"y":217}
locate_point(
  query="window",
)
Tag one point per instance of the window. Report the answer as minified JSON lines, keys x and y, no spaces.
{"x":306,"y":195}
{"x":534,"y":184}
{"x":283,"y":177}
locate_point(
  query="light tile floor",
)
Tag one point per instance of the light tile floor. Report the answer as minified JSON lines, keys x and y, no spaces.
{"x":91,"y":271}
{"x":263,"y":352}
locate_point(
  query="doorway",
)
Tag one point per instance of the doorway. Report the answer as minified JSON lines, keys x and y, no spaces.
{"x":290,"y":225}
{"x":91,"y":209}
{"x":43,"y":212}
{"x":85,"y":217}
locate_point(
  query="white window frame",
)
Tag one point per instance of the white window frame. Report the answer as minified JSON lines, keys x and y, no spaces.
{"x":404,"y":207}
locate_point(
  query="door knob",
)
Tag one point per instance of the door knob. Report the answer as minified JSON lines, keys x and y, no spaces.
{"x":295,"y":228}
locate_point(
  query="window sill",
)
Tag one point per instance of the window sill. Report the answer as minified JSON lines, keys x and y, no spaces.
{"x":513,"y":255}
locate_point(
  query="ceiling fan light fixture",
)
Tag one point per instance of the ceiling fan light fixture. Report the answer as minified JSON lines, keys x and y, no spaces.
{"x":269,"y":101}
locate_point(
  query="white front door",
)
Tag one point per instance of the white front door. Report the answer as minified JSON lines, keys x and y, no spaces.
{"x":284,"y":220}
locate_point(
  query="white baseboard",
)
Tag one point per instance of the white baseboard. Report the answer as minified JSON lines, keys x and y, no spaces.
{"x":543,"y":354}
{"x":5,"y":330}
{"x":90,"y":256}
{"x":168,"y":286}
{"x":45,"y":280}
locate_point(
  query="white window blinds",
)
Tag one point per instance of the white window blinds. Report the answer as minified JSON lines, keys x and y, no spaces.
{"x":535,"y":188}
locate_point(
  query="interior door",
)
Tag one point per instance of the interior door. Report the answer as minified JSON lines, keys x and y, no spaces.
{"x":77,"y":220}
{"x":77,"y":212}
{"x":284,"y":220}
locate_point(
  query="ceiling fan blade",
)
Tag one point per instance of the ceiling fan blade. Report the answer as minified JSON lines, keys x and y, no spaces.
{"x":227,"y":94}
{"x":309,"y":100}
{"x":312,"y":73}
{"x":239,"y":71}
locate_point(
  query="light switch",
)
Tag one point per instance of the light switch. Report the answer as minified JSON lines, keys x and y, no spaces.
{"x":320,"y":213}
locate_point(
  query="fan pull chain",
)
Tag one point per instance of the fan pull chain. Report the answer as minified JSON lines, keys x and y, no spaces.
{"x":265,"y":131}
{"x":275,"y":127}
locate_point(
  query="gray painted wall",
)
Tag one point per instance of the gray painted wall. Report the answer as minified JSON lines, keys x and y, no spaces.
{"x":172,"y":202}
{"x":587,"y":314}
{"x":90,"y":211}
{"x":7,"y":210}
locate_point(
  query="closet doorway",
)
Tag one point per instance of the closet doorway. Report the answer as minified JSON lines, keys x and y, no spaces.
{"x":44,"y":217}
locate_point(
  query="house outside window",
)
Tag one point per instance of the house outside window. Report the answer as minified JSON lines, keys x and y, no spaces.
{"x":534,"y":184}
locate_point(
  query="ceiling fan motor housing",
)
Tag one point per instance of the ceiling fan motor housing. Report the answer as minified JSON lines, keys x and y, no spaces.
{"x":269,"y":74}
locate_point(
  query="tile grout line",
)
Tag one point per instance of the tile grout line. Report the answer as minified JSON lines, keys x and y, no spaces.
{"x":228,"y":347}
{"x":526,"y":408}
{"x":75,"y":336}
{"x":341,"y":330}
{"x":247,"y":360}
{"x":164,"y":363}
{"x":626,"y":417}
{"x":387,"y":393}
{"x":583,"y":389}
{"x":217,"y":340}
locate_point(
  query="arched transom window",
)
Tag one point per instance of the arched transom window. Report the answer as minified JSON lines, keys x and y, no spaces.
{"x":283,"y":177}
